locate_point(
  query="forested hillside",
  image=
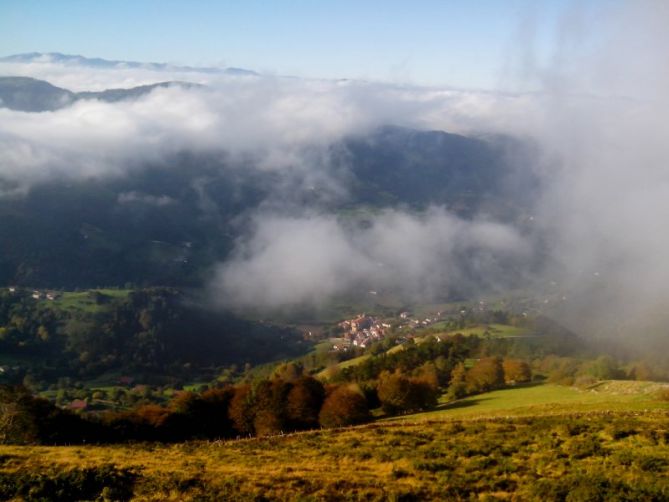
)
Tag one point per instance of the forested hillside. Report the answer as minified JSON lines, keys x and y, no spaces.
{"x":169,"y":220}
{"x":50,"y":335}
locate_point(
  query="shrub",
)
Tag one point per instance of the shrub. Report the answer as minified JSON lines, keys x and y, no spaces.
{"x":663,"y":394}
{"x":588,"y":446}
{"x":584,"y":381}
{"x":604,"y":368}
{"x":641,"y":371}
{"x":75,"y":484}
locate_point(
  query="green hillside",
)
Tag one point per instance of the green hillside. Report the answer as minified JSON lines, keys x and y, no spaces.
{"x":160,"y":225}
{"x":534,"y":399}
{"x":493,"y":330}
{"x":156,"y":333}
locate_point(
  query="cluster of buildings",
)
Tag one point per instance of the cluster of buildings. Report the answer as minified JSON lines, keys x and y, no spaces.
{"x":49,"y":295}
{"x":361,"y":331}
{"x":37,"y":294}
{"x":408,"y":321}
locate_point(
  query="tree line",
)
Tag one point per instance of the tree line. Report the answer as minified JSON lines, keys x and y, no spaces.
{"x":289,"y":401}
{"x":267,"y":407}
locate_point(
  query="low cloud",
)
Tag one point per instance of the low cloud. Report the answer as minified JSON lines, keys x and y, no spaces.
{"x":597,"y":114}
{"x":263,"y":122}
{"x":98,"y":138}
{"x":144,"y":198}
{"x":292,"y":261}
{"x":601,"y":128}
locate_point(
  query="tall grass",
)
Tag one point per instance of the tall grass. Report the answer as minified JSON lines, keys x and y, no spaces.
{"x":598,"y":455}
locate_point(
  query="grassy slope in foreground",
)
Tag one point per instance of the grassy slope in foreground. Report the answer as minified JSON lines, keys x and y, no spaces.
{"x":591,"y":455}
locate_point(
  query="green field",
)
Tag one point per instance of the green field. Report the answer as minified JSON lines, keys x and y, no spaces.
{"x":353,"y":362}
{"x":480,"y":330}
{"x":344,"y":364}
{"x":83,"y":300}
{"x":494,"y":330}
{"x":533,"y":399}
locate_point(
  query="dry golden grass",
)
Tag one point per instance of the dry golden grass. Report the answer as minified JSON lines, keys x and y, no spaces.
{"x":521,"y":458}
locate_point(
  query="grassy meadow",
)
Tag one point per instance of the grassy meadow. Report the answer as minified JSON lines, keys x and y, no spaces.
{"x":539,"y":399}
{"x":493,"y":330}
{"x":540,"y":442}
{"x":84,"y":301}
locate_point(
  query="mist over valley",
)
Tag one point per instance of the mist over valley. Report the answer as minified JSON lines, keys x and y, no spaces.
{"x":419,"y":258}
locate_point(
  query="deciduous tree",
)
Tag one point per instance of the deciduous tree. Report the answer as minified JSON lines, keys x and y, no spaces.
{"x":485,"y":375}
{"x":516,"y":371}
{"x":344,"y":405}
{"x":305,"y":400}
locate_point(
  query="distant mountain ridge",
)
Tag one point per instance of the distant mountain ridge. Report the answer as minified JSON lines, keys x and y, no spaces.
{"x":75,"y":59}
{"x":28,"y":94}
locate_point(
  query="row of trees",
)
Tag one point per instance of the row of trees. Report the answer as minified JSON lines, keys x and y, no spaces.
{"x":573,"y":371}
{"x":268,"y":407}
{"x":444,"y":352}
{"x":289,"y":401}
{"x":487,"y":374}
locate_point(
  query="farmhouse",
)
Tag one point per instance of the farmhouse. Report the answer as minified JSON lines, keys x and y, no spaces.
{"x":78,"y":405}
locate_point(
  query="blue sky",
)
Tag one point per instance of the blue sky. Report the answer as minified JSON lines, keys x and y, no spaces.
{"x":435,"y":42}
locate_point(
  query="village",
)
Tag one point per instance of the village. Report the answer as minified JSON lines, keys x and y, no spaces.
{"x":363,"y":330}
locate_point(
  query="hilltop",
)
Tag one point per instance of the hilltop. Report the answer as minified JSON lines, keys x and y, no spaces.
{"x":27,"y":94}
{"x":77,"y":60}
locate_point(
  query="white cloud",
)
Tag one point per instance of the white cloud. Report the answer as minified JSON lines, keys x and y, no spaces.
{"x":144,"y":198}
{"x":288,"y":261}
{"x":598,"y":117}
{"x":270,"y":121}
